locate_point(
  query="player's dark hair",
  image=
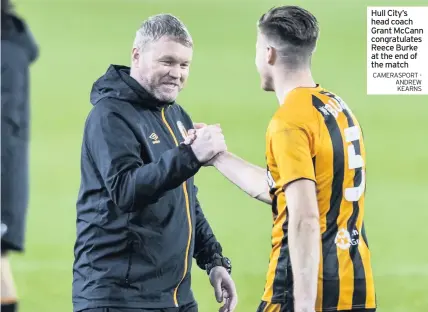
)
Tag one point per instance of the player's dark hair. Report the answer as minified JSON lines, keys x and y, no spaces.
{"x":294,"y":30}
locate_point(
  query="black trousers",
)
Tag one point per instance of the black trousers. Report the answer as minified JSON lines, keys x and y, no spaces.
{"x":191,"y":307}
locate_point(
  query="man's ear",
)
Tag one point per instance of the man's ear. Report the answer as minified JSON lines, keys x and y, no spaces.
{"x":135,"y":55}
{"x":271,"y":55}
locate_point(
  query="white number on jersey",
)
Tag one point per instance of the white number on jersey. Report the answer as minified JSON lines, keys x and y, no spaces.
{"x":354,"y":162}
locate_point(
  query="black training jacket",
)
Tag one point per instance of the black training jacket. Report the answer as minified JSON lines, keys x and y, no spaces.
{"x":18,"y":51}
{"x":139,"y":223}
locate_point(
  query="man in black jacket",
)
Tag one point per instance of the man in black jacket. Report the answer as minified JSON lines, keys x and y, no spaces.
{"x":139,"y":223}
{"x":18,"y":51}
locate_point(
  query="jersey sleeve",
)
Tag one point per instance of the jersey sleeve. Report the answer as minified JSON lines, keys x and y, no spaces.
{"x":292,"y":151}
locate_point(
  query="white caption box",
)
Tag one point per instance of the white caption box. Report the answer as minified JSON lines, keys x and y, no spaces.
{"x":397,"y":50}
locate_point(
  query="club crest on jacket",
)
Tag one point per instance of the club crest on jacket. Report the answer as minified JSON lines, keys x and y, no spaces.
{"x":182,"y":129}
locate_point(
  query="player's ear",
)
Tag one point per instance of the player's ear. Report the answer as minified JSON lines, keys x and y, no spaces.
{"x":271,"y":55}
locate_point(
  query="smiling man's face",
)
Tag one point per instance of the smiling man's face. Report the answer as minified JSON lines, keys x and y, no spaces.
{"x":163,"y":67}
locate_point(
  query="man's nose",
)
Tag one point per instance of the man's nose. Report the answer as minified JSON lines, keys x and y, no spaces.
{"x":175,"y":72}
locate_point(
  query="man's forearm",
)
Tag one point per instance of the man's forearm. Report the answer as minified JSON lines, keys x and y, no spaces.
{"x":206,"y":244}
{"x":304,"y":244}
{"x":248,"y":177}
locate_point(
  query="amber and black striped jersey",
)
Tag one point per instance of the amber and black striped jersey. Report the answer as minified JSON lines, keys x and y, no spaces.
{"x":314,"y":135}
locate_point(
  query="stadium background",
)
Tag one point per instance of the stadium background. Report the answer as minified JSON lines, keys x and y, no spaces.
{"x":80,"y":38}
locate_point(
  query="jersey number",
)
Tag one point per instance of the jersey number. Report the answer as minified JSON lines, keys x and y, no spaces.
{"x":355,"y":162}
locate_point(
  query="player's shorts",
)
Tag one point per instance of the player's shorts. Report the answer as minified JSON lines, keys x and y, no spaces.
{"x":284,"y":307}
{"x":274,"y":307}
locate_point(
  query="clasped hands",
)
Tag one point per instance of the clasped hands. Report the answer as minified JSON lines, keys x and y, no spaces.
{"x":206,"y":141}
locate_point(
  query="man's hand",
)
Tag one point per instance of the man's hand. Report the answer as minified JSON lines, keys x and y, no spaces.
{"x":191,"y":134}
{"x":192,"y":137}
{"x":208,"y":141}
{"x":224,"y":289}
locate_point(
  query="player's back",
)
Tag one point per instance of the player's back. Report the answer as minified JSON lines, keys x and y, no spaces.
{"x":336,"y":147}
{"x":340,"y":164}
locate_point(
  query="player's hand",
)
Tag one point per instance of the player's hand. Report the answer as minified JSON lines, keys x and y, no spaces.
{"x":200,"y":125}
{"x":224,"y":289}
{"x":208,"y":142}
{"x":191,"y":136}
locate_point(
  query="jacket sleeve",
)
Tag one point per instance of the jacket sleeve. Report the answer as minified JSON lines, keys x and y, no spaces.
{"x":206,"y":244}
{"x":115,"y":151}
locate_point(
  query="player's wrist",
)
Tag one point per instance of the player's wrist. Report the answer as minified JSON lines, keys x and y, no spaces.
{"x":218,"y":159}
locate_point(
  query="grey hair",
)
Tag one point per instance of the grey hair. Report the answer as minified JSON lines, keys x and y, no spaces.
{"x":157,"y":26}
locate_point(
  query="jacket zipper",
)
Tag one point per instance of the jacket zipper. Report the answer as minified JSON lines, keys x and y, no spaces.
{"x":131,"y":251}
{"x":186,"y":197}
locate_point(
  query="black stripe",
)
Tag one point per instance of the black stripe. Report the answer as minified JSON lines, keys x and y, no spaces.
{"x":330,"y":260}
{"x":262,"y":306}
{"x":359,"y":295}
{"x":272,"y":191}
{"x":274,"y":214}
{"x":282,"y":272}
{"x":275,"y":207}
{"x":314,"y":163}
{"x":287,"y":307}
{"x":363,"y":233}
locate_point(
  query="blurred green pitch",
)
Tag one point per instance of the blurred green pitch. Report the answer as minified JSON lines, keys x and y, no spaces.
{"x":80,"y":38}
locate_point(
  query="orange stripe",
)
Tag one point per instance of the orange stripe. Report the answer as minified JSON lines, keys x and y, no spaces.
{"x":323,"y":171}
{"x":189,"y":220}
{"x":272,"y":307}
{"x":323,"y":174}
{"x":277,"y":236}
{"x":370,"y":289}
{"x":273,"y":261}
{"x":346,"y":267}
{"x":346,"y":280}
{"x":364,"y":250}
